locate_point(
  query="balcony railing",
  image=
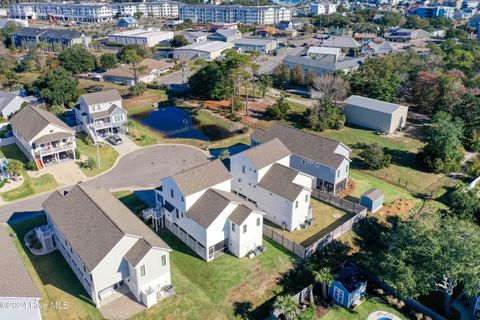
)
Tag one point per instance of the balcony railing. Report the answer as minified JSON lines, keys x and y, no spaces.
{"x":49,"y":150}
{"x":155,"y":213}
{"x":101,"y":125}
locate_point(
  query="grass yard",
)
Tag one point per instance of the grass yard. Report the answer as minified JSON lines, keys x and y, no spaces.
{"x":323,"y":215}
{"x":220,"y":288}
{"x":362,"y":312}
{"x":30,"y":185}
{"x":55,"y":280}
{"x":365,"y":181}
{"x":108,"y":155}
{"x":403,"y":150}
{"x":131,"y":201}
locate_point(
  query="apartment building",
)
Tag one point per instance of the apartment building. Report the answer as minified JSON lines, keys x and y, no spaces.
{"x":263,"y":15}
{"x":91,"y":12}
{"x":79,"y":12}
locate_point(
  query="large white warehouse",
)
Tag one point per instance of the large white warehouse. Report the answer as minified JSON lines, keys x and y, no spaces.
{"x":144,"y":37}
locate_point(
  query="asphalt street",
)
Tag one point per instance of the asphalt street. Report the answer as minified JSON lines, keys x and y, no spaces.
{"x":140,"y":169}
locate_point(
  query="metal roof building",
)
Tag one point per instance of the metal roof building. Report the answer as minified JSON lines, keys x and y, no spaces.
{"x":375,"y":114}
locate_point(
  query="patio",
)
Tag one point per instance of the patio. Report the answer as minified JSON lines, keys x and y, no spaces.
{"x":121,"y":305}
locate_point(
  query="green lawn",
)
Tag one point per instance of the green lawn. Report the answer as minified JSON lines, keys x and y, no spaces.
{"x":362,"y":312}
{"x":108,"y":155}
{"x":213,"y":290}
{"x":323,"y":215}
{"x":30,"y":185}
{"x":402,"y":149}
{"x":131,"y":201}
{"x":55,"y":280}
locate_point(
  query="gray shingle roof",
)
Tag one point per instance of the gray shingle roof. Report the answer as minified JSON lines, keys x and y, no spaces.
{"x":52,"y":137}
{"x":209,"y":206}
{"x":206,"y":209}
{"x":303,"y":144}
{"x":225,"y":33}
{"x":30,"y":121}
{"x":267,"y":153}
{"x":15,"y":281}
{"x":5,"y":99}
{"x":341,"y":42}
{"x":373,"y":104}
{"x":101,"y":97}
{"x":137,"y":252}
{"x":201,"y":177}
{"x":93,"y":221}
{"x":106,"y":113}
{"x":373,"y":194}
{"x":47,"y":33}
{"x":240,"y":214}
{"x":279,"y":180}
{"x":347,"y":64}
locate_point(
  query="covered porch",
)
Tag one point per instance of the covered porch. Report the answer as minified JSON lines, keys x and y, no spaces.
{"x":54,"y":149}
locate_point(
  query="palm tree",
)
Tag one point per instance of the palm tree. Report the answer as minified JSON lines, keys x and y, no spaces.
{"x":15,"y":168}
{"x":324,"y":276}
{"x":287,"y":305}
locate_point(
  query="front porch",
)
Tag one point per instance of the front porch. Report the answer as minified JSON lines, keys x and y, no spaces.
{"x":54,"y":152}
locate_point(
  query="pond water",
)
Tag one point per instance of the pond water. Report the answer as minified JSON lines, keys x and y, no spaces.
{"x":233,"y":149}
{"x":174,"y":123}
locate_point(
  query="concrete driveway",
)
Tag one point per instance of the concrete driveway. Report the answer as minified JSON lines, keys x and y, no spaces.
{"x":126,"y":146}
{"x":140,"y":169}
{"x":66,"y":173}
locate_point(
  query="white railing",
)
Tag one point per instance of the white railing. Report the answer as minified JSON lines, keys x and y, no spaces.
{"x":102,"y":125}
{"x":49,"y":150}
{"x":155,"y":213}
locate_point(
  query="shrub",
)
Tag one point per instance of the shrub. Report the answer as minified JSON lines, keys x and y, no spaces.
{"x":77,"y":154}
{"x":31,"y":166}
{"x":474,"y":168}
{"x":89,"y":164}
{"x":89,"y":140}
{"x":137,"y":89}
{"x":374,"y":157}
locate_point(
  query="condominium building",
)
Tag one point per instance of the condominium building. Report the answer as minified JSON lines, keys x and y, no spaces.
{"x":91,"y":12}
{"x":84,"y":12}
{"x":236,"y":14}
{"x":154,"y":9}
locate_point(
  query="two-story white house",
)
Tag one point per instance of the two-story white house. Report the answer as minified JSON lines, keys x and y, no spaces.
{"x":325,"y":159}
{"x":262,"y":175}
{"x":101,"y":113}
{"x":108,"y":248}
{"x":198,"y":207}
{"x":43,"y":137}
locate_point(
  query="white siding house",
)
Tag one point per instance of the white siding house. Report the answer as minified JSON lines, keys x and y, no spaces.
{"x":107,"y":246}
{"x":198,"y":207}
{"x":263,"y":176}
{"x":325,"y":159}
{"x":43,"y":137}
{"x":101,"y":113}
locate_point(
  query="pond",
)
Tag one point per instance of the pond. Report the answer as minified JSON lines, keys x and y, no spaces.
{"x":174,"y":123}
{"x":233,"y":149}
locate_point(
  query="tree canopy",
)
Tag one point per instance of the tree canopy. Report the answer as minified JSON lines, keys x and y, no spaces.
{"x":77,"y":59}
{"x":443,"y":151}
{"x":108,"y":61}
{"x":57,"y":87}
{"x":431,"y":253}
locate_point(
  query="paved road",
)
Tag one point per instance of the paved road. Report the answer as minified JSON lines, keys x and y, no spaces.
{"x":139,"y":169}
{"x":266,"y":67}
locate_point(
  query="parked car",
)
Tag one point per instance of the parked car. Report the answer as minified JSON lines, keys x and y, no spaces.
{"x":115,"y":140}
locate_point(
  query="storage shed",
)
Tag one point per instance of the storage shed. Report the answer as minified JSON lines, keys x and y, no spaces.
{"x":375,"y":114}
{"x":372,"y":199}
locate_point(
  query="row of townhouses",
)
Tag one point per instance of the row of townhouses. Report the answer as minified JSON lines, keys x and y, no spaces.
{"x":91,"y":12}
{"x":49,"y":39}
{"x":99,"y":12}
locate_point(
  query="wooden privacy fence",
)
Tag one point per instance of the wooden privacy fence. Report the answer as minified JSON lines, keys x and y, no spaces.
{"x":319,"y":240}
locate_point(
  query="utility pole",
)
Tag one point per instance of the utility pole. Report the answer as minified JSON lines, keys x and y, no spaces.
{"x":98,"y":156}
